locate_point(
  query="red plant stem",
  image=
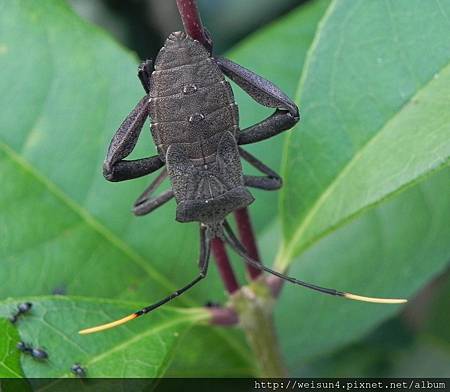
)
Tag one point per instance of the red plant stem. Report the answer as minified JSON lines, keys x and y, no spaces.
{"x":248,"y":239}
{"x":224,"y":266}
{"x":192,"y":22}
{"x":194,"y":28}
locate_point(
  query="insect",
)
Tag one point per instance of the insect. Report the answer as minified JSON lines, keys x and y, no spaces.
{"x":36,"y":353}
{"x":195,"y":127}
{"x":21,"y":309}
{"x":78,"y":370}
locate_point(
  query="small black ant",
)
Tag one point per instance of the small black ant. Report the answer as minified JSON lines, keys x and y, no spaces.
{"x":21,"y":309}
{"x":78,"y":370}
{"x":36,"y":353}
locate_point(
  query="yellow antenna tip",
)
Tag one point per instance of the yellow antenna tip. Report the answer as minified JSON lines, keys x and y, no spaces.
{"x":375,"y":300}
{"x":108,"y":326}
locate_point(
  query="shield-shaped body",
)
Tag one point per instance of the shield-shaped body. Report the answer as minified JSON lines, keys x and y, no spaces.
{"x":194,"y":122}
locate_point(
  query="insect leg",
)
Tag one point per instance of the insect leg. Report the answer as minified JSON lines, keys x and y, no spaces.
{"x":152,"y":187}
{"x":205,"y":248}
{"x":115,"y":168}
{"x":272,"y":181}
{"x":145,"y":203}
{"x":145,"y":70}
{"x":232,"y":240}
{"x":153,"y":203}
{"x":277,"y":123}
{"x":265,"y":93}
{"x":261,"y":90}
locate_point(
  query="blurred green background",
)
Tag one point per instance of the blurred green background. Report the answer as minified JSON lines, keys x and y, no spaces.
{"x":143,"y":25}
{"x":75,"y":88}
{"x":414,"y":343}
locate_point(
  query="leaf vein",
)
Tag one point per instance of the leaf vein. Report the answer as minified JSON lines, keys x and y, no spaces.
{"x":288,"y":252}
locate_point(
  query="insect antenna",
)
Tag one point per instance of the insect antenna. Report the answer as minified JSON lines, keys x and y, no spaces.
{"x":205,"y":251}
{"x":232,"y":240}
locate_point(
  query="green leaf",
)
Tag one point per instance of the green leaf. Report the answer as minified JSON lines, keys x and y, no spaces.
{"x":365,"y":205}
{"x":436,"y":325}
{"x":141,"y":349}
{"x":374,"y":98}
{"x":63,"y":227}
{"x":202,"y":342}
{"x":10,"y":359}
{"x":393,"y":250}
{"x":66,"y":229}
{"x":277,"y":53}
{"x":425,"y":360}
{"x":75,"y":87}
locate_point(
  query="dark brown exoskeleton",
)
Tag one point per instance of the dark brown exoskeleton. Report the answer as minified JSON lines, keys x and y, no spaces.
{"x":195,"y":126}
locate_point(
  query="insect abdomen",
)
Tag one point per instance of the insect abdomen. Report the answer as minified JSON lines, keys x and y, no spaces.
{"x":191,"y":102}
{"x":194,"y":124}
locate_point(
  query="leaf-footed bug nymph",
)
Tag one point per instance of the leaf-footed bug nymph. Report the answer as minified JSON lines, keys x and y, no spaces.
{"x":195,"y":127}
